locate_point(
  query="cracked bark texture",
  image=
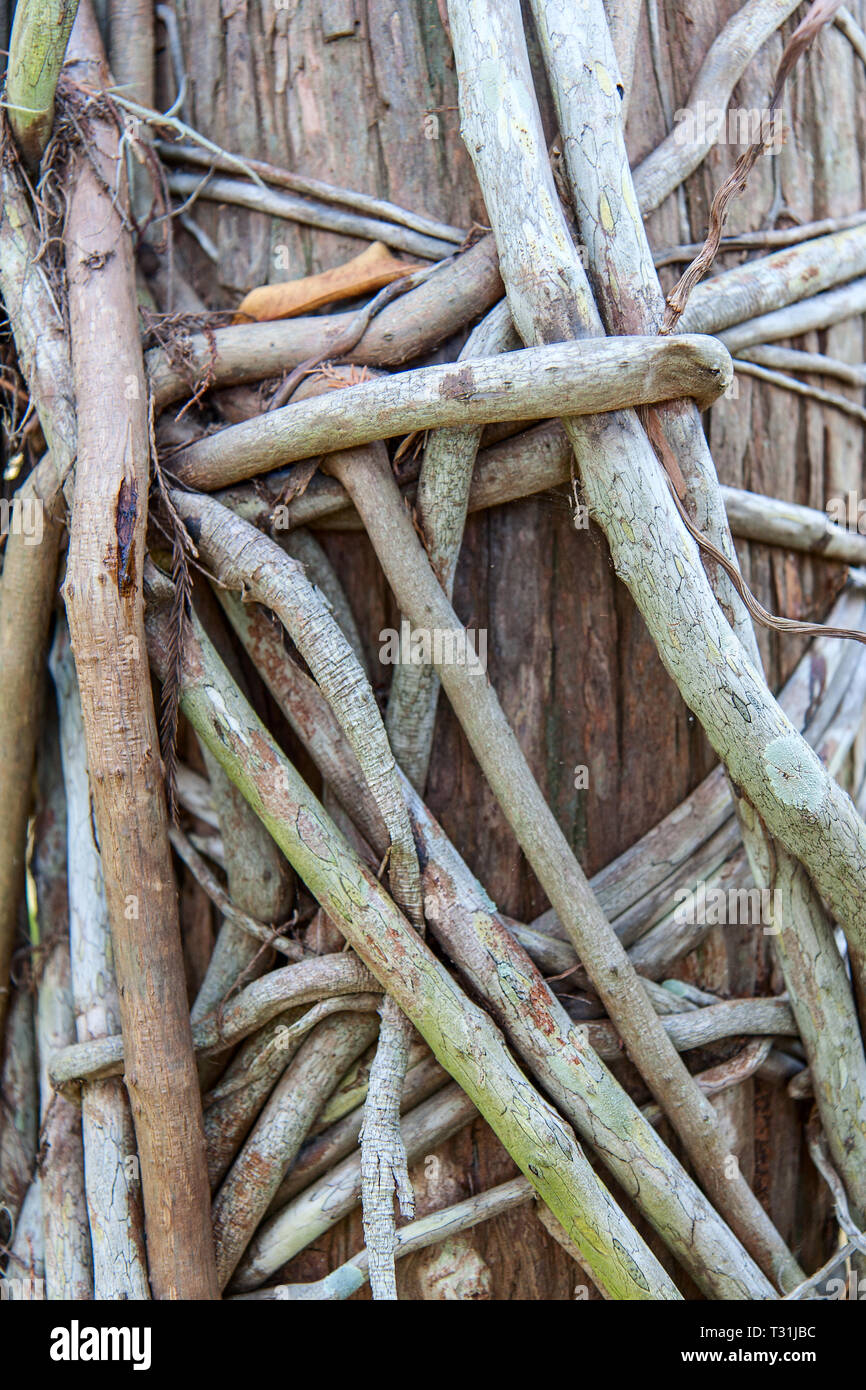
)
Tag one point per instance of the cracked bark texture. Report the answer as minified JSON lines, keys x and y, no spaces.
{"x":579,"y":676}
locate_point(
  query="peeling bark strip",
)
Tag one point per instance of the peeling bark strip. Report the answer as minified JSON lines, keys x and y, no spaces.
{"x":125,"y":519}
{"x":461,"y":1036}
{"x":578,"y":378}
{"x":384,"y":1167}
{"x":104,"y":604}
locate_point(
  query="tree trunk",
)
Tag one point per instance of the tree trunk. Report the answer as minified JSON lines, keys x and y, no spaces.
{"x":499,"y":947}
{"x":364,"y":95}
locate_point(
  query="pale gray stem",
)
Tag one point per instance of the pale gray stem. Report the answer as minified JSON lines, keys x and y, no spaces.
{"x":613,"y":230}
{"x":575,"y":378}
{"x":795,"y":319}
{"x":459,"y":1033}
{"x":27,"y":1249}
{"x":541,"y":458}
{"x":442,"y":500}
{"x":428,"y":1230}
{"x":805,"y":363}
{"x":623,"y":16}
{"x":111,"y":1171}
{"x":833,"y":399}
{"x":259,"y":891}
{"x":302,"y":545}
{"x":338,"y":1191}
{"x":338,"y":1140}
{"x":313,"y":188}
{"x":465,"y":923}
{"x":678,"y":155}
{"x":771,"y":284}
{"x":231,"y":1108}
{"x":313,"y":979}
{"x":624,"y":487}
{"x":66,"y":1232}
{"x":246,"y":559}
{"x":277,"y":203}
{"x":280,"y":1130}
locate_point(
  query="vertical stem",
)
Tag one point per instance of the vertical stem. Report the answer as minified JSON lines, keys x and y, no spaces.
{"x":40,"y":32}
{"x":30,"y":561}
{"x":110,"y":1160}
{"x":104,"y":604}
{"x":66,"y":1233}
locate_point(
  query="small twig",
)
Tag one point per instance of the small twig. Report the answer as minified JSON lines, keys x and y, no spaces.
{"x":175,"y":48}
{"x":167,"y":119}
{"x":808,"y":363}
{"x":269,"y":936}
{"x":756,"y":241}
{"x":820,"y":13}
{"x":428,"y":1230}
{"x":294,"y":208}
{"x":315,"y":188}
{"x":800,"y":388}
{"x":820,"y":1155}
{"x":351,"y":335}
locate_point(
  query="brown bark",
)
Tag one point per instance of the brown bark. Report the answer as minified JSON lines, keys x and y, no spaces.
{"x":104,"y":603}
